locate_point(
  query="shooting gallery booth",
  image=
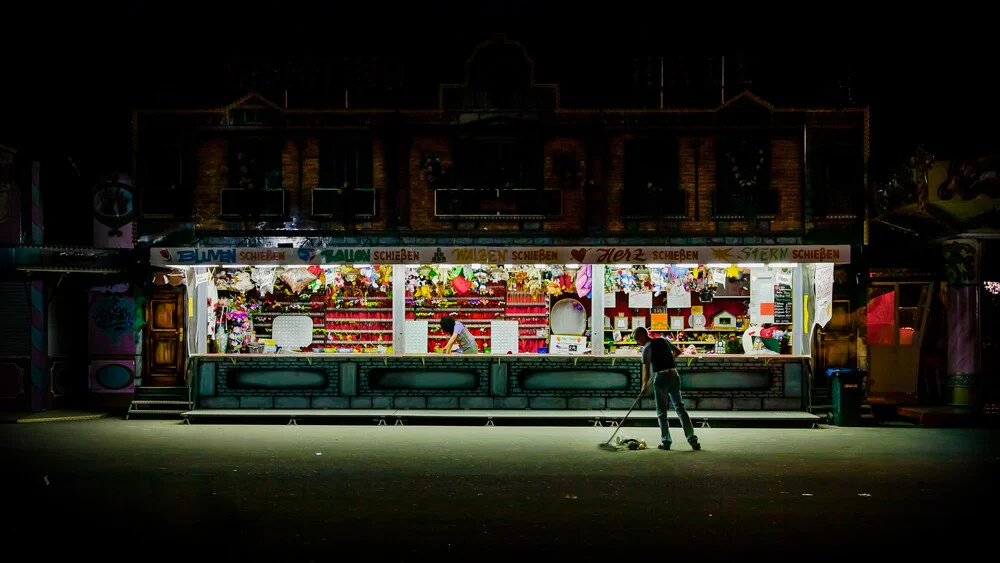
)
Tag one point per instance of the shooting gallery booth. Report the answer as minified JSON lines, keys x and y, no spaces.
{"x":358,"y":330}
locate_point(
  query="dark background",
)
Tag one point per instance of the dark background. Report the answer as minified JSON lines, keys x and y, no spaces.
{"x":73,"y":74}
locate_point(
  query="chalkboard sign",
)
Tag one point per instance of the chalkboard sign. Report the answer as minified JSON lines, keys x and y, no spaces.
{"x":782,"y":304}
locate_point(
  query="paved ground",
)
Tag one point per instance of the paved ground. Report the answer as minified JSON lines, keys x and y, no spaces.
{"x":159,"y":490}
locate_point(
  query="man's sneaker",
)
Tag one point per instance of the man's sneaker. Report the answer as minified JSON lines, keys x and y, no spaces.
{"x":664,"y":446}
{"x":695,"y":445}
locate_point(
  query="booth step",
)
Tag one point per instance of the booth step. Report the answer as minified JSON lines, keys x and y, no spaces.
{"x":185,"y":404}
{"x":153,"y":412}
{"x":158,"y":391}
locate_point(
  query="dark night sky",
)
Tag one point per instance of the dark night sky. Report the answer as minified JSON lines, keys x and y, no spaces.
{"x":76,"y":80}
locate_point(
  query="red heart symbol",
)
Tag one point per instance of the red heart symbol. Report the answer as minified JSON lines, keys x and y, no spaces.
{"x":165,"y":253}
{"x":579,"y":254}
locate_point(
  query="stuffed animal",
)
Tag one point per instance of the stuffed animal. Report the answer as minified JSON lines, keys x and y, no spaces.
{"x":584,"y":281}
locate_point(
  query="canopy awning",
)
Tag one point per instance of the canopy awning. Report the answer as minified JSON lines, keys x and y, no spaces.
{"x":247,"y":256}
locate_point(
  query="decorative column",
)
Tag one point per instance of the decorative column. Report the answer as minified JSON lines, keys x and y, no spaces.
{"x":597,"y":310}
{"x":39,"y":348}
{"x":39,"y":316}
{"x":398,"y":308}
{"x":962,"y":272}
{"x":799,"y":346}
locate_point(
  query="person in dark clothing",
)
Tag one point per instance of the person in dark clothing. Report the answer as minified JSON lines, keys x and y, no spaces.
{"x":658,"y":356}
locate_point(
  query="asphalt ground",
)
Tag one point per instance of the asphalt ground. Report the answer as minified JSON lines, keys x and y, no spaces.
{"x":159,"y":490}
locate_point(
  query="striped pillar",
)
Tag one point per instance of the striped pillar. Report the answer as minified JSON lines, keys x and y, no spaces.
{"x":39,"y":348}
{"x":37,"y":230}
{"x":39,"y":339}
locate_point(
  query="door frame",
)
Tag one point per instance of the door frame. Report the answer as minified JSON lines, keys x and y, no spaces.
{"x":180,"y":293}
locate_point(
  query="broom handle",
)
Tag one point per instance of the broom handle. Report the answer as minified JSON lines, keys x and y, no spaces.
{"x":634,"y":403}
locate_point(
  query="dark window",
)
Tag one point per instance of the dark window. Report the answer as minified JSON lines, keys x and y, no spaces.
{"x":743,"y":179}
{"x":7,"y":171}
{"x":165,"y":178}
{"x":254,"y":164}
{"x":346,"y":164}
{"x":15,"y":317}
{"x":500,"y":164}
{"x":837,"y":174}
{"x":652,"y":179}
{"x":246,"y":117}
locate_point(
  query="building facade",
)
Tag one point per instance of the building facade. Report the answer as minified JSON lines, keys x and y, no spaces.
{"x":68,"y":321}
{"x":498,"y":162}
{"x":501,"y":157}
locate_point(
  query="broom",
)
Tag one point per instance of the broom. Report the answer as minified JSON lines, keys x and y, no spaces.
{"x":607,"y":445}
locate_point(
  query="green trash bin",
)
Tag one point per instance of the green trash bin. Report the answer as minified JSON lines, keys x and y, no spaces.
{"x":847,"y":392}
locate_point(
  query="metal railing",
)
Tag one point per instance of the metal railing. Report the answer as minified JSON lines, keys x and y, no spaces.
{"x":264,"y":204}
{"x":512,"y":204}
{"x":333,"y":203}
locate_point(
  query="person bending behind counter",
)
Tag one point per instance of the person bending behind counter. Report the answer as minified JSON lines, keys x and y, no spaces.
{"x":460,"y":335}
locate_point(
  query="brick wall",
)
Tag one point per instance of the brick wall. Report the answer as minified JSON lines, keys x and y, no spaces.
{"x":515,"y":397}
{"x":310,"y":178}
{"x":614,"y":183}
{"x":297,"y":207}
{"x":574,"y":209}
{"x":700,"y":178}
{"x":786,"y":177}
{"x":213,"y":171}
{"x":381,"y":183}
{"x":700,"y":183}
{"x":421,"y":194}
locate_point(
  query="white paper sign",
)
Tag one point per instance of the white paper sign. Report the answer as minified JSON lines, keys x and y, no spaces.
{"x":415,"y":337}
{"x":678,"y":297}
{"x":610,"y":300}
{"x":761,"y":296}
{"x":824,"y":293}
{"x":503,"y":337}
{"x":642,"y":300}
{"x":719,"y":276}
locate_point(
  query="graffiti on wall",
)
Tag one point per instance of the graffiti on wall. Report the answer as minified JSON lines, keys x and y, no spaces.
{"x":961,"y":261}
{"x":112,"y":324}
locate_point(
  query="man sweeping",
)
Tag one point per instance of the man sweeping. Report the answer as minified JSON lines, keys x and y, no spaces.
{"x":658,"y":357}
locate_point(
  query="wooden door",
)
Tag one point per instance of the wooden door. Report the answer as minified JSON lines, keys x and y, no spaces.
{"x":165,"y":350}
